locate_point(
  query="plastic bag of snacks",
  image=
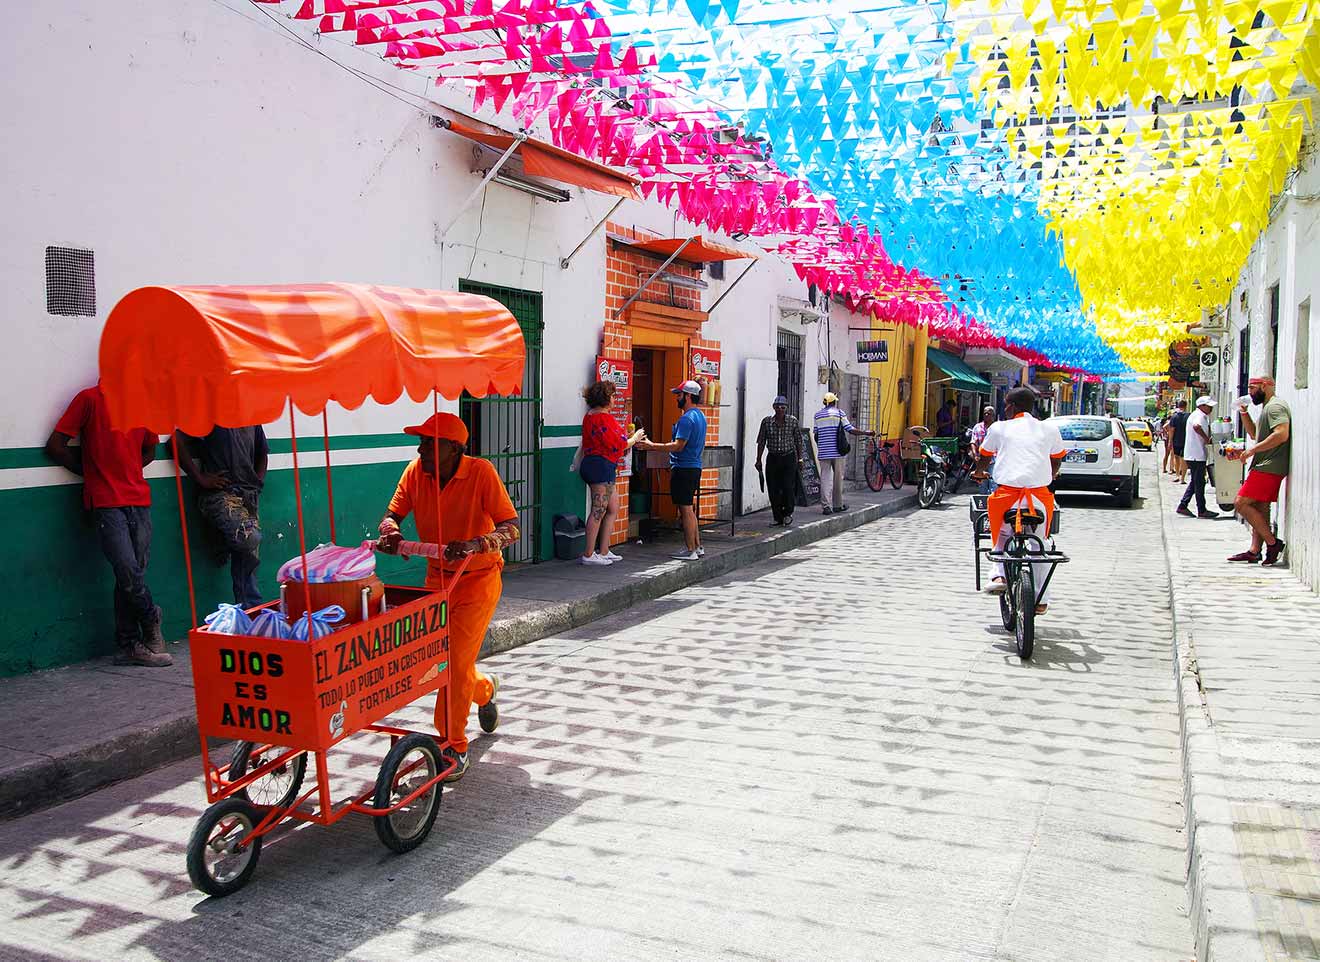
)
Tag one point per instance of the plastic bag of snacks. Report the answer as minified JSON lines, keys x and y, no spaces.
{"x":323,"y":622}
{"x":269,"y":623}
{"x":331,"y":562}
{"x":229,"y":620}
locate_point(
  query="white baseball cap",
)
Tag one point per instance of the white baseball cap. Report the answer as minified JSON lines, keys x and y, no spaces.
{"x":1204,"y":401}
{"x":687,"y":387}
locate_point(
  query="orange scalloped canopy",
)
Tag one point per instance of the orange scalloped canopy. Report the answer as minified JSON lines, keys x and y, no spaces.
{"x":197,"y":357}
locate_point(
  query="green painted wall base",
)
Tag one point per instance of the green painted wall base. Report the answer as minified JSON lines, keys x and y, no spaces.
{"x":562,"y":492}
{"x":60,"y":606}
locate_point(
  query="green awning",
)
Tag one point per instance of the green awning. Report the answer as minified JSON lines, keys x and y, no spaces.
{"x":960,"y":376}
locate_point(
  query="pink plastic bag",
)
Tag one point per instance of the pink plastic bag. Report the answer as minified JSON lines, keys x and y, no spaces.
{"x":331,"y":562}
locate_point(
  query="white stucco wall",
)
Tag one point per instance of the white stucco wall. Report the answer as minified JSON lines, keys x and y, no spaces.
{"x":1287,"y":253}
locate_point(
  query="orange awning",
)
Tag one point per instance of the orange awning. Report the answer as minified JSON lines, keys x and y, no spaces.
{"x":699,"y":251}
{"x":197,"y":357}
{"x":545,"y":160}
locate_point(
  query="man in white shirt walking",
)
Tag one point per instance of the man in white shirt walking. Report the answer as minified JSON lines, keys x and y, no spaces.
{"x":1196,"y":452}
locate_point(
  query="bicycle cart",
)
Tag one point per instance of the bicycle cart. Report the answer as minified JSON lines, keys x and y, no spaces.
{"x":194,"y":358}
{"x":1025,"y":549}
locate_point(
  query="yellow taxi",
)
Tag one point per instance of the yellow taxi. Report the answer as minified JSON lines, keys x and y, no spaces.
{"x":1139,"y":434}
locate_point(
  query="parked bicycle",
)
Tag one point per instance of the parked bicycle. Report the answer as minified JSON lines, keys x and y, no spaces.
{"x":883,"y":463}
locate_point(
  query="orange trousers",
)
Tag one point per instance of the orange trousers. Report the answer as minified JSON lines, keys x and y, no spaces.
{"x":472,"y":601}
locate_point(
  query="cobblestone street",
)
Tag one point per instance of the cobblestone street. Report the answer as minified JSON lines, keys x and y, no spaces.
{"x":834,"y":754}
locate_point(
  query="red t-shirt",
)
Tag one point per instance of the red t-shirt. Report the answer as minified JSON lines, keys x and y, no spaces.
{"x":601,"y":435}
{"x":112,"y":460}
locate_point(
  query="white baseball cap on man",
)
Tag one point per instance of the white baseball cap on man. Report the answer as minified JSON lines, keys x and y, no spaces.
{"x":687,"y":387}
{"x":1205,"y":402}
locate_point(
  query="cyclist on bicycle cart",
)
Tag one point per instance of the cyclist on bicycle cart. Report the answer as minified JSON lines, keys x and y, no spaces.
{"x":1027,"y":454}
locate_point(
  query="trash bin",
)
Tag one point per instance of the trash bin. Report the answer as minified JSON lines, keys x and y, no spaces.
{"x":1228,"y":478}
{"x":570,"y":537}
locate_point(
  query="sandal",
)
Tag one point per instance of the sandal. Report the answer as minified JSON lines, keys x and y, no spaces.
{"x":1041,"y":609}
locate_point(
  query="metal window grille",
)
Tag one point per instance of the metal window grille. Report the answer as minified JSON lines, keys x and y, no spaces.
{"x":70,"y":282}
{"x":859,"y":397}
{"x":789,"y":354}
{"x":507,"y":430}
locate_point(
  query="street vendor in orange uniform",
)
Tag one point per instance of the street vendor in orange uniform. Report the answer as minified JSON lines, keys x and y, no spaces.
{"x":473,"y":517}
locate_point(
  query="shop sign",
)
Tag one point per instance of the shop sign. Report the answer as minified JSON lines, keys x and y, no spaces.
{"x":620,"y":374}
{"x":872,"y":352}
{"x":706,"y":363}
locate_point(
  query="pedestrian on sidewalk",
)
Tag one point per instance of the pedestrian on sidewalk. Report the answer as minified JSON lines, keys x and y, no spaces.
{"x":603,"y":445}
{"x":229,"y":466}
{"x":780,"y":436}
{"x":110,"y":463}
{"x":1196,"y":453}
{"x":1270,"y":457}
{"x":832,"y":428}
{"x":689,"y":441}
{"x":473,"y":513}
{"x":1166,"y":435}
{"x":978,"y":438}
{"x":1179,"y":424}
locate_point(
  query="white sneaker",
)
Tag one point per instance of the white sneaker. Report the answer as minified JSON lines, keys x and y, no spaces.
{"x":701,"y":552}
{"x":686,"y":556}
{"x":594,"y":560}
{"x":611,"y":556}
{"x":997,"y":586}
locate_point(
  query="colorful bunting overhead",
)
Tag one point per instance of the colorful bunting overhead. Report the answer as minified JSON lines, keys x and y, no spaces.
{"x":1075,"y":180}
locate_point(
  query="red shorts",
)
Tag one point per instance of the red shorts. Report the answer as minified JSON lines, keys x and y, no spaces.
{"x":1261,"y":486}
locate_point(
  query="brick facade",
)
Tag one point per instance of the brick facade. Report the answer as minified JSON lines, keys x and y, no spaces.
{"x":625,"y":270}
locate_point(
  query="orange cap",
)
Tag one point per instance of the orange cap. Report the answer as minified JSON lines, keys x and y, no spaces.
{"x":442,"y":425}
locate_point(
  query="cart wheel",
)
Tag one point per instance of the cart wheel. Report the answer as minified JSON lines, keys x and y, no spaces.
{"x":1006,"y":611}
{"x":488,"y":716}
{"x":1025,"y":602}
{"x":279,"y":788}
{"x":410,"y":764}
{"x":216,"y":863}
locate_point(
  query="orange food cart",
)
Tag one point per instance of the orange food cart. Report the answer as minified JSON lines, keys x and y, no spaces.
{"x":193,"y":358}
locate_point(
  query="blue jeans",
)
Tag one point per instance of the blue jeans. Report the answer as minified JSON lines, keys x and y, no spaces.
{"x":234,"y":515}
{"x":125,"y":537}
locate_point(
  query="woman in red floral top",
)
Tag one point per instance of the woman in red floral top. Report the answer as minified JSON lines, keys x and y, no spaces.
{"x":603,"y":445}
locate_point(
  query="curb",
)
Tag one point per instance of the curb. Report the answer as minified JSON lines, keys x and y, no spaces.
{"x":87,"y":768}
{"x":1220,"y":909}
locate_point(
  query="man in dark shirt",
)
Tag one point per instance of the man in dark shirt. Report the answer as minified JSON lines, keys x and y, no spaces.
{"x":1179,"y":424}
{"x":229,"y":466}
{"x":780,"y":435}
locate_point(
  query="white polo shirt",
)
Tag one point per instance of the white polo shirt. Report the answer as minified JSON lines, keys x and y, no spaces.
{"x":1023,"y":448}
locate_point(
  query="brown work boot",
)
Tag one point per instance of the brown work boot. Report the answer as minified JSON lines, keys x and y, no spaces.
{"x":143,"y":656}
{"x":154,"y":640}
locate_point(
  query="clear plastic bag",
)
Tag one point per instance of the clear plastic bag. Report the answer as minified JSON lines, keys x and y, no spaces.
{"x":323,"y":622}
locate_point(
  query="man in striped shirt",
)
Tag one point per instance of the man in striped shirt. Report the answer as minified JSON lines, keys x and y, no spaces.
{"x":830,"y":422}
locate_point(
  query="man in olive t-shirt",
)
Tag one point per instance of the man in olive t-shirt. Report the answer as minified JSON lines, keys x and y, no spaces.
{"x":1269,"y":466}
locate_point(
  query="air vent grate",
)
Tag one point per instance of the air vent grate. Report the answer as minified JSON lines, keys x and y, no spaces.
{"x":70,"y":282}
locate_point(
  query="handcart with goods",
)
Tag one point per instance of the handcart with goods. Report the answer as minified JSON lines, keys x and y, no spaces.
{"x":193,"y":358}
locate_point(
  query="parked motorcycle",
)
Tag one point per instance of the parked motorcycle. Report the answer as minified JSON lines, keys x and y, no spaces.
{"x":932,"y":472}
{"x":961,"y":464}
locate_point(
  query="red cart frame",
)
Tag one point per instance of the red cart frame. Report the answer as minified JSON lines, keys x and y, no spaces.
{"x":192,"y":358}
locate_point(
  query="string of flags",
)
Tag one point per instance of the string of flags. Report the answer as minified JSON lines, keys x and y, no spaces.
{"x":1075,"y":180}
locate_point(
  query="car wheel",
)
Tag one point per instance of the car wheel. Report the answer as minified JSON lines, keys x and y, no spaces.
{"x":1136,"y":486}
{"x":1125,"y":495}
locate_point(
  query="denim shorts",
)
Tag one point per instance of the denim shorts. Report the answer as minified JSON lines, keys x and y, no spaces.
{"x":597,"y":470}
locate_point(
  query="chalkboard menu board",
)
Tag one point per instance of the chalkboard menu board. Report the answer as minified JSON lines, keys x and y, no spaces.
{"x":808,"y":486}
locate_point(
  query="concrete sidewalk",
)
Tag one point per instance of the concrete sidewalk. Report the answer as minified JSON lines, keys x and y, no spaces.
{"x":69,"y":731}
{"x":1247,"y":648}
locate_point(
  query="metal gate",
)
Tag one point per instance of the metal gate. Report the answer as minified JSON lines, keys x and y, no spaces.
{"x":789,"y":354}
{"x":506,"y":431}
{"x":859,"y":397}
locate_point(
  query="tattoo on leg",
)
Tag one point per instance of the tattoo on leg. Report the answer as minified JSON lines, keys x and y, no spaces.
{"x":600,"y":502}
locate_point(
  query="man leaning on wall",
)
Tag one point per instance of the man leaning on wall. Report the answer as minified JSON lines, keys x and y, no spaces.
{"x":110,"y":463}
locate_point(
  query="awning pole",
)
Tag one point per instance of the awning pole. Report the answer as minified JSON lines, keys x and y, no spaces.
{"x":660,"y":270}
{"x":564,"y":261}
{"x":518,"y":140}
{"x":747,"y":270}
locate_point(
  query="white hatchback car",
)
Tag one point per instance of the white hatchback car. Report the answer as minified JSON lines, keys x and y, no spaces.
{"x":1099,"y":457}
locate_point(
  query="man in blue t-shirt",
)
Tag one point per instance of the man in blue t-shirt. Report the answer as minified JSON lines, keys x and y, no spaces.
{"x":685,"y":464}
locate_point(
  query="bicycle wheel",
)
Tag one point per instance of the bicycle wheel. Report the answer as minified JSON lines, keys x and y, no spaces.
{"x":893,"y":467}
{"x":1024,"y":600}
{"x":279,"y":788}
{"x":1007,"y":616}
{"x":875,"y":472}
